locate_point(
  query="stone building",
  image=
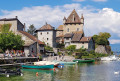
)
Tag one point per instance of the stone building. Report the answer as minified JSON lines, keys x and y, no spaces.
{"x":73,"y":23}
{"x":59,"y":35}
{"x":78,"y":39}
{"x":73,"y":32}
{"x":47,"y":34}
{"x":31,"y":44}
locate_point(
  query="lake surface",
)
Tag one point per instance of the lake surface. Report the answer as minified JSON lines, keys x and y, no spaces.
{"x":98,"y":71}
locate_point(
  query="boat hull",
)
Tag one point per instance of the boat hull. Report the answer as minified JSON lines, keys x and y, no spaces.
{"x":38,"y":67}
{"x":83,"y":61}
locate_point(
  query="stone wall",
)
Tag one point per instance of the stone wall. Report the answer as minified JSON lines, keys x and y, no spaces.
{"x":48,"y":37}
{"x":72,"y":28}
{"x":103,"y":49}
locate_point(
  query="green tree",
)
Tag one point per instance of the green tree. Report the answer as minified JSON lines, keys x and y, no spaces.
{"x":10,"y":41}
{"x":102,"y":38}
{"x":71,"y":48}
{"x":32,"y":30}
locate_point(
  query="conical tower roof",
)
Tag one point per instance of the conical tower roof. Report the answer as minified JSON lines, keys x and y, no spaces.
{"x":73,"y":18}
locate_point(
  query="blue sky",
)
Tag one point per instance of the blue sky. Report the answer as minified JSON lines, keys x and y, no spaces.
{"x":100,"y":15}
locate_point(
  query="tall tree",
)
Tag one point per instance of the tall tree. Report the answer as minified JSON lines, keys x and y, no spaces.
{"x":32,"y":30}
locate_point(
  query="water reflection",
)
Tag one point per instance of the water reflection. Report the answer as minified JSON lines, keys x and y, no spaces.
{"x":98,"y":71}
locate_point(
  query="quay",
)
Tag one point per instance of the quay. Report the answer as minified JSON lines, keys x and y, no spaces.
{"x":16,"y":60}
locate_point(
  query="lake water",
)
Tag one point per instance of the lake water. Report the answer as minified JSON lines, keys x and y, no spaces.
{"x":98,"y":71}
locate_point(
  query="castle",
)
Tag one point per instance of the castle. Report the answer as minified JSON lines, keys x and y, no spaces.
{"x":72,"y":32}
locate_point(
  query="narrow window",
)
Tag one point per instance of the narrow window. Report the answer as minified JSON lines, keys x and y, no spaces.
{"x":47,"y":32}
{"x":77,"y":29}
{"x":68,"y":30}
{"x":47,"y":38}
{"x":41,"y":33}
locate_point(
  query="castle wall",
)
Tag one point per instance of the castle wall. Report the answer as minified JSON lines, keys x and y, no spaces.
{"x":72,"y":28}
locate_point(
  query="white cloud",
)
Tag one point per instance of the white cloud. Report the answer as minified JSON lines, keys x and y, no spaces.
{"x":100,"y":0}
{"x":114,"y":41}
{"x":96,"y":20}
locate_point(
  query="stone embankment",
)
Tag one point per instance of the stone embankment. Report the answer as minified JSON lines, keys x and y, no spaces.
{"x":59,"y":58}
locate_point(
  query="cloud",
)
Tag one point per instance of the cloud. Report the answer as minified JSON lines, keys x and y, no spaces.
{"x":99,"y":0}
{"x":96,"y":20}
{"x":114,"y":41}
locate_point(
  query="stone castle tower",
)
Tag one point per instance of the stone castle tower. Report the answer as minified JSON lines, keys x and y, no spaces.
{"x":73,"y":23}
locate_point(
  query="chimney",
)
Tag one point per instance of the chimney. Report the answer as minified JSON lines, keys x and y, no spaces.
{"x":16,"y":17}
{"x":24,"y":27}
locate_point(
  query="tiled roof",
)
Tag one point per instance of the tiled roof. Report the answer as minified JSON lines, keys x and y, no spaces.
{"x":68,"y":35}
{"x":73,"y":18}
{"x":60,"y":27}
{"x":46,"y":27}
{"x":60,"y":36}
{"x":31,"y":37}
{"x":85,"y":39}
{"x":76,"y":37}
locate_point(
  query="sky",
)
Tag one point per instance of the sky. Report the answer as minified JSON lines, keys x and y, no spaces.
{"x":99,"y":15}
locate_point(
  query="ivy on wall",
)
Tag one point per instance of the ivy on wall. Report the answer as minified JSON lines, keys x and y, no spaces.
{"x":5,"y":27}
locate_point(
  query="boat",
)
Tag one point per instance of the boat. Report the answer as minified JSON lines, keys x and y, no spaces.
{"x":28,"y":66}
{"x":37,"y":70}
{"x":66,"y":63}
{"x":8,"y":72}
{"x":84,"y":60}
{"x":110,"y":58}
{"x":46,"y":63}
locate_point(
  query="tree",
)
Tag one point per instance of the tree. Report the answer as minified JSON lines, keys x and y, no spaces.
{"x":71,"y":48}
{"x":32,"y":30}
{"x":10,"y":41}
{"x":102,"y":38}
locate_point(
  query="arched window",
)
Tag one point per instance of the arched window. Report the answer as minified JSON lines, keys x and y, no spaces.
{"x":68,"y":30}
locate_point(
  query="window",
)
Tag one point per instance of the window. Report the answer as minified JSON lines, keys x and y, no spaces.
{"x":68,"y":30}
{"x":67,"y":38}
{"x":47,"y":38}
{"x":82,"y":42}
{"x":47,"y":32}
{"x":77,"y":29}
{"x":41,"y":33}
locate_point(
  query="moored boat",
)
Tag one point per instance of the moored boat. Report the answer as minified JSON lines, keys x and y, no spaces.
{"x":66,"y":63}
{"x":84,"y":61}
{"x":38,"y":66}
{"x":46,"y":63}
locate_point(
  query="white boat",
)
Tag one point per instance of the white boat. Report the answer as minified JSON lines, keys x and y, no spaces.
{"x":46,"y":63}
{"x":110,"y":58}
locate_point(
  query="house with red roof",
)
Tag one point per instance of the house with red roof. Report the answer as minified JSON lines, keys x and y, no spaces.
{"x":32,"y":45}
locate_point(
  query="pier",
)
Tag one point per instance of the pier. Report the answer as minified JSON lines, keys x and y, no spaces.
{"x":16,"y":60}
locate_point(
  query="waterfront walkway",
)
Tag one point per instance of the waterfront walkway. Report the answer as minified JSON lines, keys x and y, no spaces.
{"x":58,"y":58}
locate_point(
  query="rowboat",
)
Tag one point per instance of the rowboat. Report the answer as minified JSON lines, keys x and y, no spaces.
{"x":46,"y":63}
{"x":66,"y":63}
{"x":8,"y":72}
{"x":38,"y":66}
{"x":84,"y":61}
